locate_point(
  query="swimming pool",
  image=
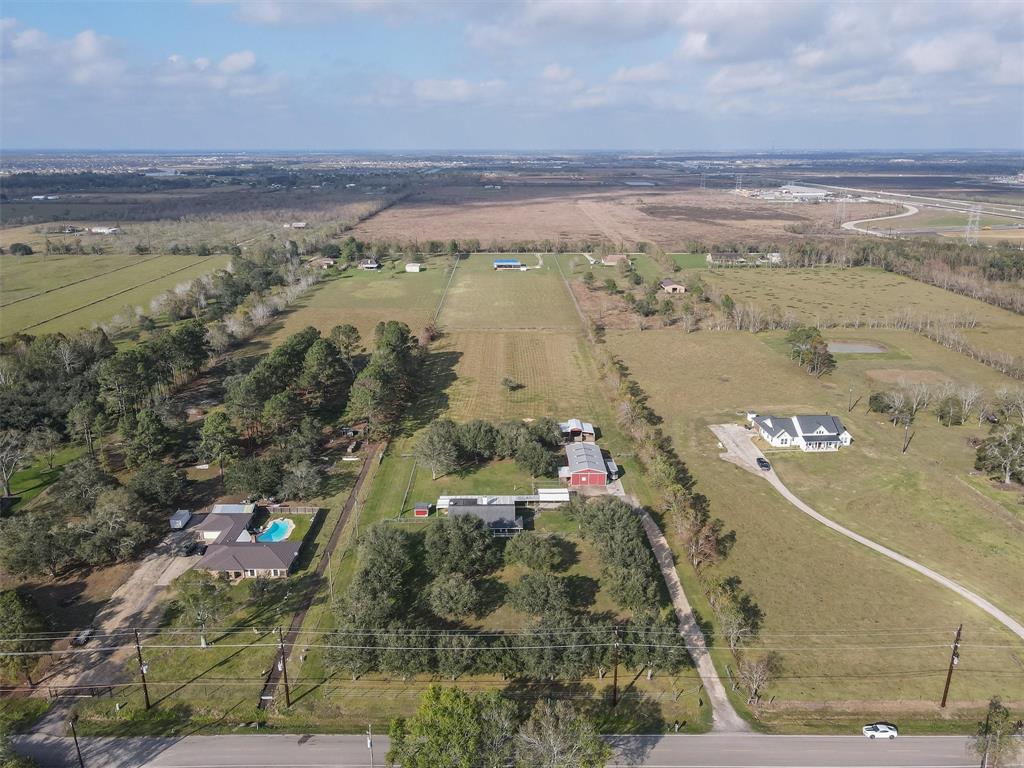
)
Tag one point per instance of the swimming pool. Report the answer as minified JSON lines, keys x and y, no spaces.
{"x":278,"y":530}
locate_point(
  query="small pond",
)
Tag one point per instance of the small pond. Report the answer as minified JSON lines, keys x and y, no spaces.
{"x":855,"y":348}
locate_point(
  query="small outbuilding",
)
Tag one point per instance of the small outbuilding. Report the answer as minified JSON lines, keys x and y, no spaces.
{"x":180,"y":519}
{"x":421,"y":509}
{"x":505,"y":264}
{"x":668,"y":285}
{"x":371,"y":265}
{"x":413,"y":266}
{"x":577,"y":430}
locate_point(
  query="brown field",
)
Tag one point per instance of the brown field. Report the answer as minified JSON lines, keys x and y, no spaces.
{"x":669,"y":217}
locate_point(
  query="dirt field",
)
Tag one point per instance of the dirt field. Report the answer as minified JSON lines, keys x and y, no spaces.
{"x":670,"y":218}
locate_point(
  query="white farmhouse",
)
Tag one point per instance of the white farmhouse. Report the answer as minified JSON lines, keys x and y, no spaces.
{"x":809,"y":433}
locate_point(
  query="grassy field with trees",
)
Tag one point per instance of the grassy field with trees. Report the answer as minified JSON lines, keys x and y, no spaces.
{"x":837,"y":646}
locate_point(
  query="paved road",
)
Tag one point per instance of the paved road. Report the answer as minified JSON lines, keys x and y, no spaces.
{"x":712,"y":750}
{"x":854,"y":225}
{"x":740,"y":450}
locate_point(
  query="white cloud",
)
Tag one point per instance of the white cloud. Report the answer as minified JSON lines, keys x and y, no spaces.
{"x":555,"y":73}
{"x":236,"y":63}
{"x":644,"y":73}
{"x":455,"y":91}
{"x":694,"y":45}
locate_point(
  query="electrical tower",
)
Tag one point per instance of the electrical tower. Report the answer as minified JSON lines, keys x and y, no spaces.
{"x":739,"y":182}
{"x":703,"y":181}
{"x":973,"y":222}
{"x":840,"y":212}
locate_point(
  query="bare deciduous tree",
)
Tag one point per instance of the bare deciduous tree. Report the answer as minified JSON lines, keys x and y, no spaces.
{"x":755,"y":674}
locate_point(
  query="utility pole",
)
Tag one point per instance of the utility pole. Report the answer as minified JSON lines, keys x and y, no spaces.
{"x":74,"y":734}
{"x":283,"y":667}
{"x":142,"y":668}
{"x":615,"y":673}
{"x":369,"y":741}
{"x":954,"y":659}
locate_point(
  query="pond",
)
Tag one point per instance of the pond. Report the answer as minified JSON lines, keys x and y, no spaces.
{"x":855,"y":348}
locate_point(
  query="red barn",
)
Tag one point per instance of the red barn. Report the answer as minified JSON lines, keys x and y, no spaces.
{"x":586,"y":465}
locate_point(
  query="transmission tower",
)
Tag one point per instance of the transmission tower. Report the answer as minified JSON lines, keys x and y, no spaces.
{"x":840,"y":211}
{"x":739,"y":182}
{"x":973,"y":222}
{"x":703,"y":181}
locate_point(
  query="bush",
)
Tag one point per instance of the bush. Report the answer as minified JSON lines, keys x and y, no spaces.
{"x":21,"y":249}
{"x":460,"y":545}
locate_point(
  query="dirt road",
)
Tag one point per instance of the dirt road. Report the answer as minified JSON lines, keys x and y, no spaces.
{"x":740,"y":450}
{"x":136,"y":603}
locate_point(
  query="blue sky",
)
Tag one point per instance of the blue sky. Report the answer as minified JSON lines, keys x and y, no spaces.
{"x":521,"y":74}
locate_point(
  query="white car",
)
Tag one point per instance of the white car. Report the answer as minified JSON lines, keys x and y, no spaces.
{"x":880,"y":731}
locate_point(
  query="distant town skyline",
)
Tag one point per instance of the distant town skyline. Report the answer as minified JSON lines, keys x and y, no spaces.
{"x":392,"y":75}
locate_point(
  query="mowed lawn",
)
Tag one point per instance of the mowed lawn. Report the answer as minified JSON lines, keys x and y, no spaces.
{"x":816,"y":295}
{"x":366,"y":298}
{"x":852,"y":626}
{"x":482,"y":298}
{"x":95,"y":300}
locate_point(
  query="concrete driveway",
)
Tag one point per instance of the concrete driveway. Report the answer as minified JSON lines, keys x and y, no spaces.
{"x":740,"y":450}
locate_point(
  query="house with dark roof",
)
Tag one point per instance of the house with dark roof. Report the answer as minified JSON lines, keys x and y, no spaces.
{"x":233,"y":546}
{"x":808,"y":433}
{"x":370,"y":264}
{"x":498,"y":514}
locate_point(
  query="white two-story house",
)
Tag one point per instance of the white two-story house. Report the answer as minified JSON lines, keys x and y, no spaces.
{"x":808,"y":433}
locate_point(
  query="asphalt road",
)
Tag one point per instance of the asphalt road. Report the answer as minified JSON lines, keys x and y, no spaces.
{"x":707,"y":751}
{"x":740,"y":450}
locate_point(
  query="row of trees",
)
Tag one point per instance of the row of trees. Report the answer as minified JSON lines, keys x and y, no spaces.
{"x":707,"y":539}
{"x":447,"y":446}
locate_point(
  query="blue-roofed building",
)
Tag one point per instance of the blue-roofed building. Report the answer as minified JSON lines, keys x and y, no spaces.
{"x":508,"y":264}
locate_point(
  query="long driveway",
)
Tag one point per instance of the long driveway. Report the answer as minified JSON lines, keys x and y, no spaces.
{"x":672,"y":751}
{"x":740,"y":450}
{"x":724,"y":717}
{"x":136,"y":603}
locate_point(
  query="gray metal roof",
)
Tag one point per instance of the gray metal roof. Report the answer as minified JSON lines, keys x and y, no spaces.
{"x":583,"y":456}
{"x":799,"y":426}
{"x":493,"y":515}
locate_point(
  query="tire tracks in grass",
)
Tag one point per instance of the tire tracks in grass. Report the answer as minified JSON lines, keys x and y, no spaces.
{"x":79,"y":282}
{"x":112,"y":295}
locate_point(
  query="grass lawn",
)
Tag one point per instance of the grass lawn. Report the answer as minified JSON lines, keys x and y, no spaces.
{"x":840,"y":647}
{"x":815,"y":295}
{"x":482,"y":298}
{"x":32,"y":481}
{"x":99,"y":299}
{"x":690,"y":260}
{"x":365,"y":298}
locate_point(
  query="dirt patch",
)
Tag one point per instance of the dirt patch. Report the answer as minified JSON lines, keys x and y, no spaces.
{"x":522,"y":211}
{"x":905,"y":376}
{"x":715,"y":215}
